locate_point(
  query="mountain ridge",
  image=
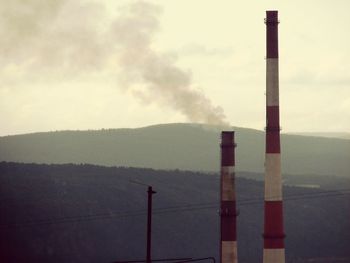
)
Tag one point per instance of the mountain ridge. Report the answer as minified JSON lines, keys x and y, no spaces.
{"x":176,"y":146}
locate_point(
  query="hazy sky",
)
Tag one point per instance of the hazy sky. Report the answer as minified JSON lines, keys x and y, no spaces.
{"x":70,"y":64}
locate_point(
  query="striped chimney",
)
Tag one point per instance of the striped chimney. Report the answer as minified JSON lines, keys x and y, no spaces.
{"x":228,"y":245}
{"x":273,"y":217}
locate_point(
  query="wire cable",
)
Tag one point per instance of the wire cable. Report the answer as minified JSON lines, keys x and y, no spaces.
{"x":166,"y":210}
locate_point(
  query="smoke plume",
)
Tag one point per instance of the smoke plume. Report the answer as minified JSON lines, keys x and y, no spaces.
{"x":67,"y":36}
{"x":162,"y":80}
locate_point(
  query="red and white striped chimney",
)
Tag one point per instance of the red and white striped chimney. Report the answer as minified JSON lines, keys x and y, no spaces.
{"x":273,"y":220}
{"x":228,"y":245}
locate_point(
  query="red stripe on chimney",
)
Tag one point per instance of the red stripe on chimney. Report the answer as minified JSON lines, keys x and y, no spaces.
{"x":227,"y":149}
{"x":273,"y":227}
{"x":272,"y":130}
{"x":228,"y":221}
{"x":272,"y":34}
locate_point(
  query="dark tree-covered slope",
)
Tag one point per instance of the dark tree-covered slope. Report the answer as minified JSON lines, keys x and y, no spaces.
{"x":86,"y":213}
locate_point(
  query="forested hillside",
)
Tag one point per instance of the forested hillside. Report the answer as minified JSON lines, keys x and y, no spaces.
{"x":86,"y":213}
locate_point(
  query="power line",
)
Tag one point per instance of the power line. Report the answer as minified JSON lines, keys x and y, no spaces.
{"x":166,"y":210}
{"x":153,"y":260}
{"x":183,"y":208}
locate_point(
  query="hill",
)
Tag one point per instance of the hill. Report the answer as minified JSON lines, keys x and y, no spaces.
{"x":85,"y":213}
{"x":341,"y":135}
{"x":176,"y":146}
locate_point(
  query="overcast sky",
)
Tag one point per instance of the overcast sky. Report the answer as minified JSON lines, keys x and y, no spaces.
{"x":70,"y":64}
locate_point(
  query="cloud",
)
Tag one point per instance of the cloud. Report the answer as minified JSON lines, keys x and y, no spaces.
{"x":201,"y":50}
{"x":50,"y":35}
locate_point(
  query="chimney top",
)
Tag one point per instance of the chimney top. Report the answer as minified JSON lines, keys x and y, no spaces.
{"x":227,"y":137}
{"x":271,"y":17}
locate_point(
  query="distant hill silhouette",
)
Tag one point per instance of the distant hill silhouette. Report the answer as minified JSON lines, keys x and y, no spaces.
{"x":86,"y":213}
{"x":340,"y":135}
{"x":176,"y":146}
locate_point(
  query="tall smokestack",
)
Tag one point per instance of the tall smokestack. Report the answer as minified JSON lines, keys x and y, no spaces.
{"x":273,"y":222}
{"x":228,"y":245}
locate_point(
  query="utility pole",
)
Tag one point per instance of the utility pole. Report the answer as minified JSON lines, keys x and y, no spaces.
{"x":150,"y":192}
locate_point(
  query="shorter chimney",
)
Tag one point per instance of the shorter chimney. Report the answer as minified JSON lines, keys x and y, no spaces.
{"x":228,"y":244}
